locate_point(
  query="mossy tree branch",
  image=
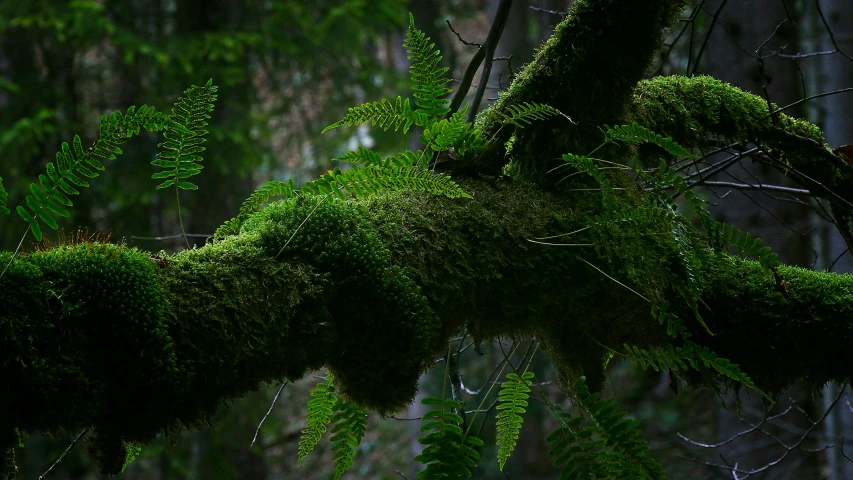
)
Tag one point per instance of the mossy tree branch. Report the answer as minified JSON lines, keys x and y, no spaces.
{"x":104,"y":336}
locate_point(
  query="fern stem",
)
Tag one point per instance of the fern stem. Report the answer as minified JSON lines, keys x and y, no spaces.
{"x":180,"y":219}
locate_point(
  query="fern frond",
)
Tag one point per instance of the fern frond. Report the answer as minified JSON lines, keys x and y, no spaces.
{"x":674,"y":326}
{"x":445,"y":133}
{"x":372,"y":179}
{"x":259,"y":197}
{"x":449,"y":453}
{"x":320,"y":409}
{"x":180,"y":150}
{"x":523,"y":114}
{"x":576,"y":447}
{"x":698,"y":357}
{"x":636,"y":133}
{"x":350,"y":422}
{"x":384,"y":114}
{"x":512,"y":402}
{"x":360,"y":156}
{"x":620,"y":433}
{"x":4,"y":196}
{"x":745,"y":244}
{"x":428,"y":79}
{"x":74,"y":166}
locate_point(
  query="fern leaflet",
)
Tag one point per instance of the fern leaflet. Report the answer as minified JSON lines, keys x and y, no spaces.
{"x":636,"y":133}
{"x":449,"y":453}
{"x":180,"y":150}
{"x":512,"y":402}
{"x":320,"y":409}
{"x":350,"y":422}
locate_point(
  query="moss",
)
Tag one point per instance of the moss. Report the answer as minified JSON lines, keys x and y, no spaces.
{"x":803,"y":333}
{"x":588,"y":70}
{"x":690,"y":109}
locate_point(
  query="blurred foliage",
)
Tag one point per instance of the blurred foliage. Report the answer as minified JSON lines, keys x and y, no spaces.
{"x":283,"y":68}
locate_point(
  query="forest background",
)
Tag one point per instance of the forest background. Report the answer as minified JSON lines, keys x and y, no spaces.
{"x":287,"y":69}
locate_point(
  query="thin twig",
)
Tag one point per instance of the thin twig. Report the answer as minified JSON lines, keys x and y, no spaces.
{"x":64,"y":454}
{"x":275,"y":399}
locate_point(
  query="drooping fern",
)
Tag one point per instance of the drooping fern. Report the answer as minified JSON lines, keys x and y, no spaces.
{"x":449,"y":453}
{"x":694,"y":355}
{"x":611,"y":448}
{"x":350,"y":422}
{"x":74,"y":166}
{"x":320,"y":410}
{"x":674,"y":326}
{"x":512,"y":404}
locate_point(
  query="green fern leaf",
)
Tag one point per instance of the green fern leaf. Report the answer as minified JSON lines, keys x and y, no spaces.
{"x":576,"y":448}
{"x":674,"y":326}
{"x":407,"y":158}
{"x":448,"y":453}
{"x":350,"y":422}
{"x":636,"y":133}
{"x":428,"y":79}
{"x":320,"y":410}
{"x":445,"y":133}
{"x":525,"y":113}
{"x":74,"y":166}
{"x":4,"y":196}
{"x":179,"y":156}
{"x":621,"y":434}
{"x":384,"y":114}
{"x":512,"y":402}
{"x":361,"y":156}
